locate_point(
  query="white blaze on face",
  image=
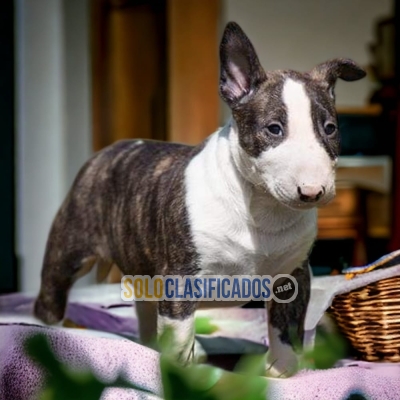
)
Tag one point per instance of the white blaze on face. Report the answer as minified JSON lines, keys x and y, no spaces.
{"x":300,"y":160}
{"x":298,"y":106}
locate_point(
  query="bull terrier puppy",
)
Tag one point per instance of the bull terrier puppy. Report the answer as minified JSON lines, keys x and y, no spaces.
{"x":242,"y":202}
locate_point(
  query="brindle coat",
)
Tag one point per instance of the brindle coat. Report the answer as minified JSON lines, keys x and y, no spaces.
{"x":129,"y":204}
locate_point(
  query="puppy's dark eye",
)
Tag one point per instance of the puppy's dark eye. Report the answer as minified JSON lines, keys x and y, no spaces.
{"x":275,"y":129}
{"x":330,"y":128}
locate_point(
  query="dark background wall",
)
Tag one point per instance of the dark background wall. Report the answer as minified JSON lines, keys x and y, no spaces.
{"x":8,"y":270}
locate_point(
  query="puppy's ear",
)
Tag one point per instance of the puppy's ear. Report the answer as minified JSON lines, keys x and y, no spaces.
{"x":241,"y":71}
{"x":342,"y":68}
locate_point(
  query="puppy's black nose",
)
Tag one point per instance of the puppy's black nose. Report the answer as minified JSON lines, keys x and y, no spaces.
{"x":310,"y":193}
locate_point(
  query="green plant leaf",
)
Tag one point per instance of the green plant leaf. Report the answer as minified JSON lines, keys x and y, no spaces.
{"x":203,"y":382}
{"x":63,"y":383}
{"x":239,"y":387}
{"x":328,"y":349}
{"x":252,"y":365}
{"x":166,"y":341}
{"x":203,"y":326}
{"x":180,"y":383}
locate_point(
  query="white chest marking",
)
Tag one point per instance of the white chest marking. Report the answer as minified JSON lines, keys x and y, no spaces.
{"x":235,"y":229}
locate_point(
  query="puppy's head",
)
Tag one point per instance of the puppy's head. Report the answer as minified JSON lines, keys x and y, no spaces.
{"x":287,"y":138}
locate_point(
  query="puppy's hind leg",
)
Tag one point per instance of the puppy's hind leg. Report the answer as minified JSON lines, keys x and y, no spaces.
{"x":57,"y":279}
{"x":65,"y":261}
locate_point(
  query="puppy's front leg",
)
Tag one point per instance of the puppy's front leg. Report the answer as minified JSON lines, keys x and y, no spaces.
{"x":286,"y":323}
{"x":178,"y":316}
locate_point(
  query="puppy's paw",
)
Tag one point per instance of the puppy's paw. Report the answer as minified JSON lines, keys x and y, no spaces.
{"x":273,"y":372}
{"x":48,"y":310}
{"x":281,"y":366}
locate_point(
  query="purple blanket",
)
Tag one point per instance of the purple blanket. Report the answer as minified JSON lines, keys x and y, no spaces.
{"x":21,"y":379}
{"x":240,"y":330}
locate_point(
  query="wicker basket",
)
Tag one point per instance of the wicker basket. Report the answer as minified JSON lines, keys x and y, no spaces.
{"x":370,"y":318}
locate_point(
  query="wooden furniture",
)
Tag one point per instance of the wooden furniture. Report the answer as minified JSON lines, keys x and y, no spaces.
{"x":155,"y":70}
{"x":344,"y":218}
{"x":193,"y":69}
{"x":361,"y":206}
